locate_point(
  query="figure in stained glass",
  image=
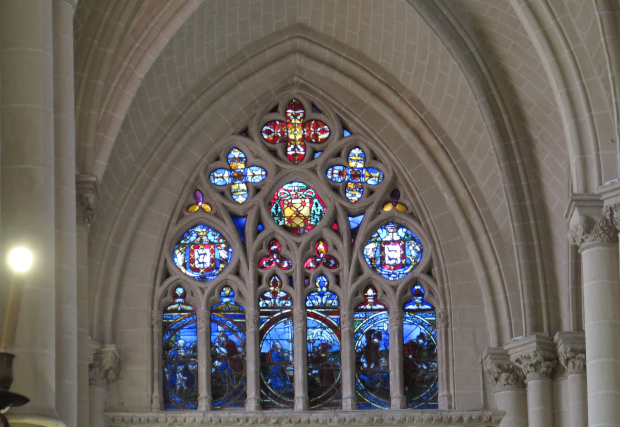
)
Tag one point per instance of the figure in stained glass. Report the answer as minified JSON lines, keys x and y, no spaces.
{"x":420,"y":352}
{"x":321,"y":258}
{"x":295,"y":132}
{"x":228,"y":377}
{"x":371,"y":336}
{"x":180,"y":354}
{"x":200,"y":204}
{"x":238,"y":175}
{"x":275,"y":258}
{"x":323,"y":346}
{"x":297,"y":208}
{"x":202,"y":253}
{"x":276,"y":347}
{"x":355,"y":174}
{"x":393,"y":251}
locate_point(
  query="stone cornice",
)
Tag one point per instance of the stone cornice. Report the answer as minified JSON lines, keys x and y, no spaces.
{"x":396,"y":418}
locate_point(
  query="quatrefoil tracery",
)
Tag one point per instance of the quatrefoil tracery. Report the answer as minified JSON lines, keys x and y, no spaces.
{"x":295,"y":132}
{"x":355,"y":174}
{"x":238,"y":175}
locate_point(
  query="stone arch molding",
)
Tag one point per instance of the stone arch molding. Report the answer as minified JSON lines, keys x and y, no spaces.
{"x":282,"y":65}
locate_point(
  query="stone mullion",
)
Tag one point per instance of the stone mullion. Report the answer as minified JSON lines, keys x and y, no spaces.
{"x":396,"y":358}
{"x":252,"y":360}
{"x":300,"y":354}
{"x":157,"y":402}
{"x":442,"y":323}
{"x":347,"y":343}
{"x":204,"y":360}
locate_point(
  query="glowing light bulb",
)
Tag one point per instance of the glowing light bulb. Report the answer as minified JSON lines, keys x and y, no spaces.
{"x":20,"y":259}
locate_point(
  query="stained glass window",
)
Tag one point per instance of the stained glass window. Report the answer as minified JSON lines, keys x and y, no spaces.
{"x":321,"y":258}
{"x":355,"y":174}
{"x":275,"y":258}
{"x":295,"y":132}
{"x":276,"y":347}
{"x":240,"y":222}
{"x":202,"y":253}
{"x":323,"y":343}
{"x":393,"y":251}
{"x":372,"y":348}
{"x":238,"y":175}
{"x":420,"y":352}
{"x":228,"y":374}
{"x":200,"y":204}
{"x":180,"y":354}
{"x":297,"y":208}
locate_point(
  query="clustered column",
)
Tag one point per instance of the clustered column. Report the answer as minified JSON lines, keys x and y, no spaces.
{"x":598,"y":244}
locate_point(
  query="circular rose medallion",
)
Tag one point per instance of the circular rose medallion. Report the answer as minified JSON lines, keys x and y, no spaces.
{"x":297,"y":208}
{"x":393,"y":251}
{"x":202,"y":253}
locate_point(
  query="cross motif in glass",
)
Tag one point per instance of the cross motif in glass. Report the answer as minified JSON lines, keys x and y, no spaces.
{"x":355,"y":174}
{"x":321,"y":257}
{"x":275,"y":258}
{"x":238,"y":175}
{"x":295,"y":132}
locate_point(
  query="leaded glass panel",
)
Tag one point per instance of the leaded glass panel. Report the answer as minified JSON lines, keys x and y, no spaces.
{"x":202,"y":253}
{"x":393,"y":251}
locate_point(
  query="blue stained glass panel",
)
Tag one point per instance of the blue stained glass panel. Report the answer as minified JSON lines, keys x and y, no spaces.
{"x":323,"y":347}
{"x":346,"y":133}
{"x":202,"y":253}
{"x":393,"y":251}
{"x":238,"y":175}
{"x":372,"y":348}
{"x":240,"y":222}
{"x":228,"y":370}
{"x":420,"y":353}
{"x":276,"y":347}
{"x":180,"y":354}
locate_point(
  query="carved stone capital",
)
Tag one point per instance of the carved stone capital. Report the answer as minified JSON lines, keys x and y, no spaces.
{"x":105,"y":367}
{"x":571,"y":351}
{"x":442,"y":319}
{"x":612,"y":213}
{"x":500,"y":370}
{"x":537,"y":364}
{"x":86,"y":196}
{"x":590,"y":229}
{"x":203,"y":319}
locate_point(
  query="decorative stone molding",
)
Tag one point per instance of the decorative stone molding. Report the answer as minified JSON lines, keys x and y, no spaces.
{"x":86,"y":196}
{"x":106,"y":366}
{"x":442,"y":319}
{"x":535,"y":356}
{"x":203,"y":319}
{"x":501,"y":371}
{"x":571,"y":351}
{"x":592,"y":230}
{"x":397,"y":418}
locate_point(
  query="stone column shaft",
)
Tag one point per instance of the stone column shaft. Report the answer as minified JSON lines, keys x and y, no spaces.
{"x":65,"y":216}
{"x":27,"y":190}
{"x":104,"y":369}
{"x":507,"y":380}
{"x":396,"y":359}
{"x":204,"y":361}
{"x":252,"y":361}
{"x":572,"y":355}
{"x":300,"y":355}
{"x":349,"y":400}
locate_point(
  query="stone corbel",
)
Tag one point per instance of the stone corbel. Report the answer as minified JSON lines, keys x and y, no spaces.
{"x":571,"y":351}
{"x":500,"y":370}
{"x":105,"y":367}
{"x":535,"y":356}
{"x":86,"y":196}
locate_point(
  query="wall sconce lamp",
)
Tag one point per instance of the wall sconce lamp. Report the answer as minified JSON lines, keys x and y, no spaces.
{"x":20,"y":260}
